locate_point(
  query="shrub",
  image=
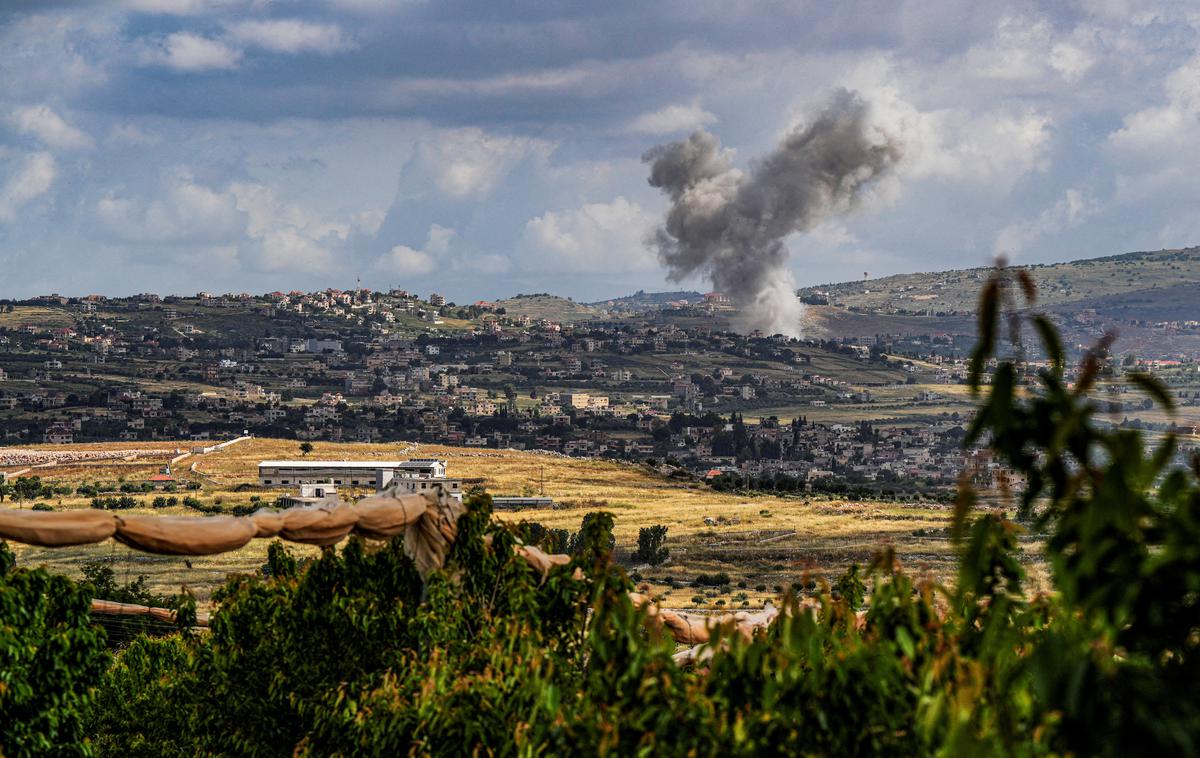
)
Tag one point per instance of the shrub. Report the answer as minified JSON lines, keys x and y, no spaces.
{"x":712,"y":580}
{"x":51,"y":661}
{"x":651,"y":547}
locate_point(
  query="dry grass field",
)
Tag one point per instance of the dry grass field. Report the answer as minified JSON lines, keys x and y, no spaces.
{"x":764,"y":543}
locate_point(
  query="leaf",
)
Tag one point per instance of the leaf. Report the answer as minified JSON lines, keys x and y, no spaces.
{"x":905,"y":641}
{"x":989,"y":310}
{"x":1154,"y":388}
{"x":1027,"y":285}
{"x":1051,"y":342}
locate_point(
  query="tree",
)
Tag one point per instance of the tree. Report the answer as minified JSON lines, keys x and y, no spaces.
{"x":306,"y":447}
{"x":27,"y":488}
{"x":651,"y":547}
{"x":51,"y":658}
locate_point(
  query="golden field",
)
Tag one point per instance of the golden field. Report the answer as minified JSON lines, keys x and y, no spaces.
{"x":763,"y":541}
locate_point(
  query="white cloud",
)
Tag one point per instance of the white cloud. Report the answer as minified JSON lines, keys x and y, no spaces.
{"x":1029,"y":50}
{"x":673,"y":118}
{"x":42,"y":123}
{"x":176,"y":7}
{"x":993,"y":148}
{"x":291,"y":36}
{"x":183,"y":51}
{"x":182,"y":211}
{"x":285,"y":237}
{"x":596,"y":237}
{"x":406,"y":261}
{"x":464,"y":163}
{"x":369,"y":221}
{"x":289,"y":249}
{"x":371,"y":7}
{"x":131,"y":134}
{"x":33,"y":179}
{"x":1171,"y":125}
{"x":1075,"y":207}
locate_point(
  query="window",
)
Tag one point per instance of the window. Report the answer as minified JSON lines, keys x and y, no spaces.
{"x":266,"y":481}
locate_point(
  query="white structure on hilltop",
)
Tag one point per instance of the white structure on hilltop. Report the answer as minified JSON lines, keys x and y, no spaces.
{"x":412,"y":476}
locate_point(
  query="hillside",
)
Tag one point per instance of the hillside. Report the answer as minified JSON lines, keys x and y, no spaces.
{"x":1146,"y":285}
{"x":641,"y":301}
{"x":765,"y":540}
{"x":549,"y":307}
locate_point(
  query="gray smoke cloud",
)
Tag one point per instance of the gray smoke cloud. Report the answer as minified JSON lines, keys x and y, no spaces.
{"x":730,"y":225}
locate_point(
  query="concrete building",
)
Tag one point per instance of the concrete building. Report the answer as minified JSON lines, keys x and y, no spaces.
{"x":319,"y":493}
{"x":416,"y":475}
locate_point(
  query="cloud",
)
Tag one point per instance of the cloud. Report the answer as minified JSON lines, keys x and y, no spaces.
{"x":42,"y":123}
{"x":183,"y":51}
{"x":268,"y":234}
{"x":182,"y":211}
{"x":1170,"y":125}
{"x":673,"y":118}
{"x":284,"y":237}
{"x":175,"y":7}
{"x":596,"y":237}
{"x":406,"y":261}
{"x":291,"y":36}
{"x":469,"y":163}
{"x":32,"y":180}
{"x":991,"y":148}
{"x":1075,"y":207}
{"x":131,"y":134}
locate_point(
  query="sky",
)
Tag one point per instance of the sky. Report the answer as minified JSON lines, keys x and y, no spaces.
{"x":483,"y":148}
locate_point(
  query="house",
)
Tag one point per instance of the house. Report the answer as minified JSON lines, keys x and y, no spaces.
{"x":161,"y":481}
{"x":314,"y":494}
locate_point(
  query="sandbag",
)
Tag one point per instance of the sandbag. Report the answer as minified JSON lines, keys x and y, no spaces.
{"x":57,"y":528}
{"x":384,"y":516}
{"x":685,"y":627}
{"x":428,"y":539}
{"x":168,"y":615}
{"x":183,"y":535}
{"x":269,"y":523}
{"x":541,"y":560}
{"x":322,"y":526}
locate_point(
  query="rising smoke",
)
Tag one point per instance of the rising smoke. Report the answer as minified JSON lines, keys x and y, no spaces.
{"x":731,"y":225}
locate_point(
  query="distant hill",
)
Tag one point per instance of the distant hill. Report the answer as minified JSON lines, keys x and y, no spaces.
{"x":1151,"y":285}
{"x":550,"y":307}
{"x":1144,"y":298}
{"x":642,"y":301}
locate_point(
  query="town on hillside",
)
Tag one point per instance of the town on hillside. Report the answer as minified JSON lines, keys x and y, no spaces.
{"x":663,"y":380}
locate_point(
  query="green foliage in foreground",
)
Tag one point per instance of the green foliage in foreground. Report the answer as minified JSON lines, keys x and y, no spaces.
{"x":353,"y":654}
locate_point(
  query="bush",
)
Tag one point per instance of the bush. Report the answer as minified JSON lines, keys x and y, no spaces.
{"x":650,"y":547}
{"x":42,"y":507}
{"x":51,"y":661}
{"x":712,"y":580}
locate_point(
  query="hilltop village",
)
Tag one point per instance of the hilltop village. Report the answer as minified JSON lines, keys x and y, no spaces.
{"x":666,"y":382}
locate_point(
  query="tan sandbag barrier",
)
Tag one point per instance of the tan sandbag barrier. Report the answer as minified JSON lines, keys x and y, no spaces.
{"x":166,"y":615}
{"x":428,"y":523}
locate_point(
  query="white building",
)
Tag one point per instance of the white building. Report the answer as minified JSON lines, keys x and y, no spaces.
{"x":416,"y":475}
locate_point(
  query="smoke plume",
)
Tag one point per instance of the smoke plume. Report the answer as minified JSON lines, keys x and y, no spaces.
{"x":731,"y":225}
